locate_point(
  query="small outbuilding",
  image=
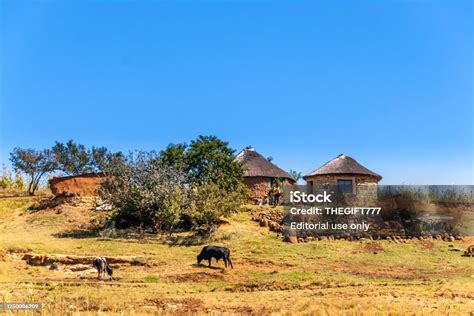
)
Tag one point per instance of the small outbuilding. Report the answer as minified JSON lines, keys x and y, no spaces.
{"x":261,"y":176}
{"x":348,"y":176}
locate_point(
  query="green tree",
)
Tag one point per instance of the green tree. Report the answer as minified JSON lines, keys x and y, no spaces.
{"x":209,"y":202}
{"x":72,"y":158}
{"x":34,"y":163}
{"x":198,"y":183}
{"x":174,"y":156}
{"x":101,"y":158}
{"x":75,"y":159}
{"x":210,"y":160}
{"x":145,"y":192}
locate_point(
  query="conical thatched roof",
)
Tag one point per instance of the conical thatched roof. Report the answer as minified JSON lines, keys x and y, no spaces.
{"x":258,"y":166}
{"x":343,"y":164}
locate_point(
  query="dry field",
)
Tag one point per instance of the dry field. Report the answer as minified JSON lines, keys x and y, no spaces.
{"x":155,"y":276}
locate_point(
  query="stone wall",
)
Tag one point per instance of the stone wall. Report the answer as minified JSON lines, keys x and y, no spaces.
{"x":82,"y":185}
{"x":259,"y":188}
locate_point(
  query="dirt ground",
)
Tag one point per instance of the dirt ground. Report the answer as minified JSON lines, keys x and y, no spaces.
{"x":45,"y":257}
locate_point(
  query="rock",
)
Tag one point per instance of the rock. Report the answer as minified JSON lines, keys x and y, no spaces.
{"x":291,"y":239}
{"x":264,"y":222}
{"x":53,"y":266}
{"x":452,"y":239}
{"x":300,"y":240}
{"x":80,"y":267}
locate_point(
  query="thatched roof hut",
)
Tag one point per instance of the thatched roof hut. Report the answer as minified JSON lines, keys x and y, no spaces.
{"x":261,"y":175}
{"x":343,"y":165}
{"x":358,"y":183}
{"x":258,"y":166}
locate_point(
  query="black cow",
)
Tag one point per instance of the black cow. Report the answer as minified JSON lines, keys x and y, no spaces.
{"x":102,"y":267}
{"x":209,"y":252}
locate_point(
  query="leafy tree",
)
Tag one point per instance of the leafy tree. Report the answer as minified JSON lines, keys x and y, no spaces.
{"x":72,"y":158}
{"x":34,"y":163}
{"x":209,"y":202}
{"x":175,"y":156}
{"x":295,"y":175}
{"x":145,"y":191}
{"x":101,"y":158}
{"x":206,"y":160}
{"x":210,"y":160}
{"x":76,"y":159}
{"x":198,"y":184}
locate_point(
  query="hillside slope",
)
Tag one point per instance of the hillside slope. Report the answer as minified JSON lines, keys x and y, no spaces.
{"x":269,"y":276}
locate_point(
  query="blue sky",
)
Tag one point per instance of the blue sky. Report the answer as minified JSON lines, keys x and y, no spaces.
{"x":386,"y":82}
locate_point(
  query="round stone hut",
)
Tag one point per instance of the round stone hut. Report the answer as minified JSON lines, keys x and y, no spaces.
{"x":261,"y":175}
{"x":355,"y":181}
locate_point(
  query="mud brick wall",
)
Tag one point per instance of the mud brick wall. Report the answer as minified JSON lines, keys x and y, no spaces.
{"x":82,"y":185}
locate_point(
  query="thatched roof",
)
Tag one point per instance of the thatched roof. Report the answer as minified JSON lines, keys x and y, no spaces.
{"x":343,"y":164}
{"x":258,"y":166}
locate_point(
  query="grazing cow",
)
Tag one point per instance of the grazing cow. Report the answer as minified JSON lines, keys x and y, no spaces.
{"x":470,"y":251}
{"x":209,"y":252}
{"x":102,"y":266}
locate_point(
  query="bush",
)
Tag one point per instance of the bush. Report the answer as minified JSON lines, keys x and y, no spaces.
{"x":145,"y":192}
{"x":209,"y":203}
{"x":5,"y":182}
{"x":182,"y":187}
{"x":19,"y":183}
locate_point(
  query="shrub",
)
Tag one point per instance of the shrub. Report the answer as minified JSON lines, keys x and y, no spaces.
{"x":209,"y":202}
{"x":5,"y":182}
{"x":145,"y":192}
{"x":19,"y":183}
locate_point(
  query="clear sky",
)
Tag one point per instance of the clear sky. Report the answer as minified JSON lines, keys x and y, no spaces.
{"x":389,"y":83}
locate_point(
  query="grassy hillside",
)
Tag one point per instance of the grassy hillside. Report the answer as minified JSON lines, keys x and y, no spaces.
{"x":269,"y":276}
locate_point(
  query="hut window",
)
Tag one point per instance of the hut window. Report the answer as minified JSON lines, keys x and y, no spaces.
{"x":344,"y":185}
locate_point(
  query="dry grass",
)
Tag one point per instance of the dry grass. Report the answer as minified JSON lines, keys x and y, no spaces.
{"x":269,"y":276}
